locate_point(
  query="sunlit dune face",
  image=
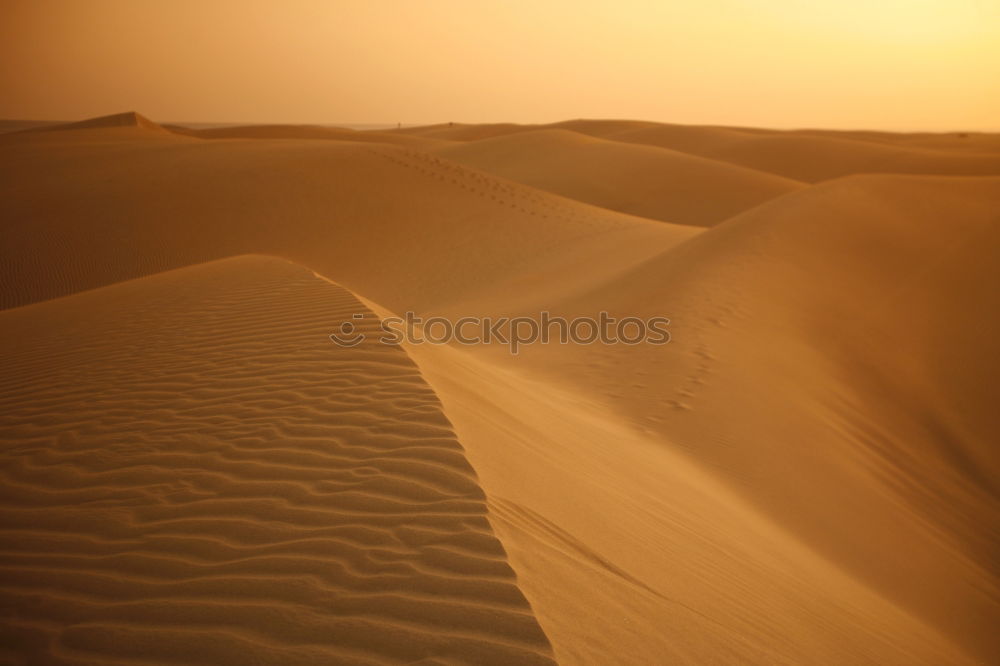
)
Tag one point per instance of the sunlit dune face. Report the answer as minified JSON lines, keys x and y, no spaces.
{"x":889,"y":64}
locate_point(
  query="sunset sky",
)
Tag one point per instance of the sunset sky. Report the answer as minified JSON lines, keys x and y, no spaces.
{"x":885,"y":64}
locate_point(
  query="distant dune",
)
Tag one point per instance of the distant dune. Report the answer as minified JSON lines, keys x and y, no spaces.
{"x":18,"y":125}
{"x":465,"y":132}
{"x":804,"y":156}
{"x":307,"y":132}
{"x":820,"y":158}
{"x":352,"y":211}
{"x":129,"y":119}
{"x":640,"y":180}
{"x":806,"y":474}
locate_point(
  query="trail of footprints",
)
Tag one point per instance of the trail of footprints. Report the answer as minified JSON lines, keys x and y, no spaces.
{"x":704,"y":359}
{"x":194,"y":473}
{"x":521,"y":199}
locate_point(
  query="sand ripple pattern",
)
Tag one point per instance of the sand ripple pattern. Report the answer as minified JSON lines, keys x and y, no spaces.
{"x":218,"y":483}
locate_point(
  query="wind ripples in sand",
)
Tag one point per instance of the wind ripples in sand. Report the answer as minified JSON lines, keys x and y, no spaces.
{"x":219,"y":483}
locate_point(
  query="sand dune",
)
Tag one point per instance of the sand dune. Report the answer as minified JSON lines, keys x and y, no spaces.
{"x":639,"y":180}
{"x":463,"y":131}
{"x":128,"y":119}
{"x":193,"y":471}
{"x":962,"y":142}
{"x":92,"y":207}
{"x":307,"y":132}
{"x":805,"y":474}
{"x":809,"y":156}
{"x":814,"y":159}
{"x":693,"y":139}
{"x":604,"y":521}
{"x":866,"y":399}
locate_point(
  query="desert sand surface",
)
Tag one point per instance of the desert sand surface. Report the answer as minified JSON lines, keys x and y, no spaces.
{"x":195,"y":473}
{"x":259,"y":496}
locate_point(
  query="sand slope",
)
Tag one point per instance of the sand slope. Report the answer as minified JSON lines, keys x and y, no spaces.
{"x":640,"y":180}
{"x":631,"y":553}
{"x":832,"y":360}
{"x":193,"y":471}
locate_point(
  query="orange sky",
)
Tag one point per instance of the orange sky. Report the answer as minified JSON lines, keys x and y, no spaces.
{"x":893,"y":64}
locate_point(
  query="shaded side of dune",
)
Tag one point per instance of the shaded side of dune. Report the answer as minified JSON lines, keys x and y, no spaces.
{"x":192,"y":471}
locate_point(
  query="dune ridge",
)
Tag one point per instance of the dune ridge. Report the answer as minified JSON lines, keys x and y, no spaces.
{"x":218,"y":482}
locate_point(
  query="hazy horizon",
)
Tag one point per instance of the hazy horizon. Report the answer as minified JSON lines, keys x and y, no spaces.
{"x":915,"y":65}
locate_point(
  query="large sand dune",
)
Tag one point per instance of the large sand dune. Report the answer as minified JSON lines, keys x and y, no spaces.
{"x":861,"y":307}
{"x":805,"y":474}
{"x":193,"y":472}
